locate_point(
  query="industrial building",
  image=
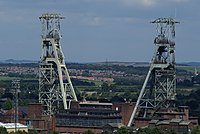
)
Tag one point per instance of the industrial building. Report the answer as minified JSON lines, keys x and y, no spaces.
{"x":155,"y":106}
{"x":81,"y":117}
{"x":178,"y":119}
{"x":59,"y":110}
{"x":12,"y":127}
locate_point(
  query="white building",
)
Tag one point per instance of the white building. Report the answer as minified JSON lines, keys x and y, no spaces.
{"x":10,"y":127}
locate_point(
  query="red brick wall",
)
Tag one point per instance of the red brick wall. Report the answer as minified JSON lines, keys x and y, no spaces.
{"x":164,"y":126}
{"x":125,"y":110}
{"x":194,"y":121}
{"x":185,"y":109}
{"x":75,"y":105}
{"x":8,"y":117}
{"x":138,"y":123}
{"x":34,"y":110}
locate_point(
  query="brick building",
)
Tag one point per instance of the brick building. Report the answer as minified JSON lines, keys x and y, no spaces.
{"x":125,"y":110}
{"x":36,"y":121}
{"x":169,"y":119}
{"x":88,"y":116}
{"x":8,"y":116}
{"x":81,"y":117}
{"x":96,"y":116}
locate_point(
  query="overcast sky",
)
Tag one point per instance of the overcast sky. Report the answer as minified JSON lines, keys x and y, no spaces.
{"x":99,"y":30}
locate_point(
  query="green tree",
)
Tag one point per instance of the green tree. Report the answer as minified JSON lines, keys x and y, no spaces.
{"x":7,"y":104}
{"x":18,"y":132}
{"x":54,"y":132}
{"x":106,"y":132}
{"x":32,"y":132}
{"x":3,"y":130}
{"x":196,"y":130}
{"x":86,"y":73}
{"x":88,"y":132}
{"x":105,"y":87}
{"x":171,"y":131}
{"x":155,"y":131}
{"x":122,"y":130}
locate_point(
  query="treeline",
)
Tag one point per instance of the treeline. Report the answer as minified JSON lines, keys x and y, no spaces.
{"x":192,"y":100}
{"x":128,"y":81}
{"x":78,"y":82}
{"x":122,"y":130}
{"x":127,"y":69}
{"x":4,"y":131}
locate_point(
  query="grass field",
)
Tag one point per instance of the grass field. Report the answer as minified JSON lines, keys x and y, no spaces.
{"x":4,"y":78}
{"x":8,"y":78}
{"x":189,"y":68}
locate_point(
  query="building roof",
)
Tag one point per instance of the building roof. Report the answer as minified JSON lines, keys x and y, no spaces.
{"x":94,"y":103}
{"x":76,"y":111}
{"x":192,"y":117}
{"x":175,"y":120}
{"x":167,"y":122}
{"x":115,"y":125}
{"x":12,"y":125}
{"x":184,"y":107}
{"x":170,"y":113}
{"x":153,"y":121}
{"x":23,"y":109}
{"x":164,"y":122}
{"x":89,"y":116}
{"x":185,"y":123}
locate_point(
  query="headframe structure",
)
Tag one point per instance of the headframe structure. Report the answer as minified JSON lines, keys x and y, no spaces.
{"x":159,"y":88}
{"x":55,"y":86}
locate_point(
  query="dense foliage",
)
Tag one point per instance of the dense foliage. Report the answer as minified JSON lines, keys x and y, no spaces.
{"x":130,"y":69}
{"x":78,"y":82}
{"x":124,"y":130}
{"x":192,"y":100}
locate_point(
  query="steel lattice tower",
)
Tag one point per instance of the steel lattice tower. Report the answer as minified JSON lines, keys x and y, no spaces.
{"x":159,"y":88}
{"x":55,"y":85}
{"x":15,"y":91}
